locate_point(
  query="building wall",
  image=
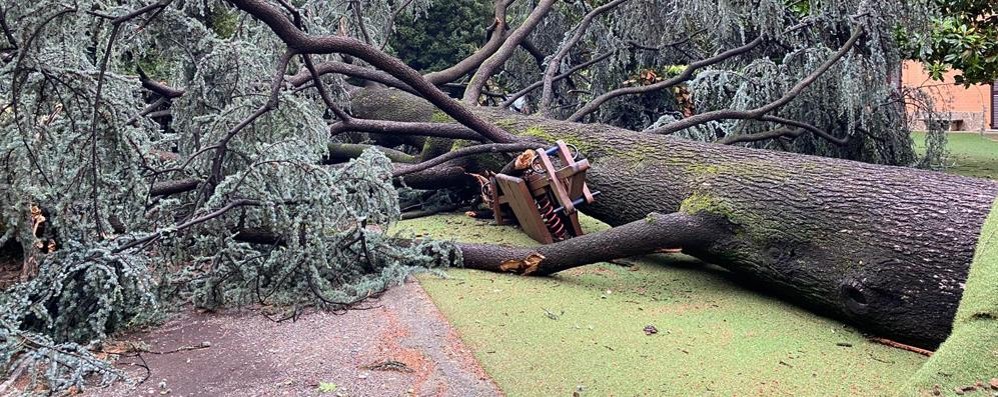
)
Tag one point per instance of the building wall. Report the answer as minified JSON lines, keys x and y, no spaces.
{"x":969,"y":108}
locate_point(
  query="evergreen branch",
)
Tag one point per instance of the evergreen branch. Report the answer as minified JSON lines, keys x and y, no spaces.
{"x":186,"y":225}
{"x":686,"y":75}
{"x":537,"y":84}
{"x":763,"y":110}
{"x":468,"y":151}
{"x":554,"y":64}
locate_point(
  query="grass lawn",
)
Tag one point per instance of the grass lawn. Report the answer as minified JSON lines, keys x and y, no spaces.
{"x":970,"y":154}
{"x":584,"y":328}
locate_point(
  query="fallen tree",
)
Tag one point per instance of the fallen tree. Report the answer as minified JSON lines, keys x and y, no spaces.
{"x":225,"y":162}
{"x":888,"y":248}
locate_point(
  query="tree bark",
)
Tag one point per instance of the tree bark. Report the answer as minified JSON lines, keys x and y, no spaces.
{"x":886,"y":248}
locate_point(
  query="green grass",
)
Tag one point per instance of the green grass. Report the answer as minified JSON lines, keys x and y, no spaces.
{"x":584,"y":328}
{"x":970,"y":154}
{"x":715,"y":337}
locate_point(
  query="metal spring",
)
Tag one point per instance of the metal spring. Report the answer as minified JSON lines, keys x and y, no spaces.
{"x":551,"y":218}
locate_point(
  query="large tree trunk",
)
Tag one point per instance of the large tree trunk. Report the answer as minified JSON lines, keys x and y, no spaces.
{"x":888,"y":248}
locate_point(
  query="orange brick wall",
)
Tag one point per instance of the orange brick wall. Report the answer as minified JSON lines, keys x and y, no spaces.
{"x":972,"y":105}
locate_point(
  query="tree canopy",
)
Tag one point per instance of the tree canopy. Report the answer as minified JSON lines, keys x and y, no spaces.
{"x":964,"y":38}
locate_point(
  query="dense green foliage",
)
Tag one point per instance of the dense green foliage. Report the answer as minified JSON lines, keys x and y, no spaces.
{"x":964,"y":38}
{"x":450,"y":31}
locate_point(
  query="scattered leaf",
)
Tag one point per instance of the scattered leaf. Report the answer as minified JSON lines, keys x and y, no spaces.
{"x":327,"y":387}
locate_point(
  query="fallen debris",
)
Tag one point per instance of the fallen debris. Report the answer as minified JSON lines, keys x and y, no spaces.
{"x":389,"y":365}
{"x":902,"y":346}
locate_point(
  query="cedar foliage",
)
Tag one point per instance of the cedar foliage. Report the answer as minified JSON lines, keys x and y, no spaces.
{"x":73,"y":144}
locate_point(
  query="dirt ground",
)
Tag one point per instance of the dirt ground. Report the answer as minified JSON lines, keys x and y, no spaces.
{"x":399,"y":346}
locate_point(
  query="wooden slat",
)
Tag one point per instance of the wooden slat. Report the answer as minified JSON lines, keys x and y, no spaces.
{"x":566,"y":160}
{"x":557,"y":188}
{"x":524,"y":208}
{"x":497,"y":202}
{"x":538,"y":182}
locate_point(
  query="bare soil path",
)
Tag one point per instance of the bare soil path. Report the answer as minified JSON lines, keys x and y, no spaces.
{"x":400,"y":346}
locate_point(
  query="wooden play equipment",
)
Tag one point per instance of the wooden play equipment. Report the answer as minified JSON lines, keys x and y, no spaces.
{"x":542,"y":193}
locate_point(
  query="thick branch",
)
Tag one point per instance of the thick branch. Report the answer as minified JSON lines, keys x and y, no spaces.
{"x":173,"y":187}
{"x":159,"y":88}
{"x":801,"y":128}
{"x":339,"y":152}
{"x":441,"y":130}
{"x":534,"y":52}
{"x":492,"y":65}
{"x":438,"y":177}
{"x":468,"y":151}
{"x":304,"y":43}
{"x":641,"y":237}
{"x":760,"y":136}
{"x":807,"y":127}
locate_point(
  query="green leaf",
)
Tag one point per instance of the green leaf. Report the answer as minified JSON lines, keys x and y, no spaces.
{"x":327,"y":387}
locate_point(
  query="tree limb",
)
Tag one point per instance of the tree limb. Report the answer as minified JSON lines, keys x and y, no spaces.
{"x":645,"y":236}
{"x":760,"y":136}
{"x":173,"y":187}
{"x":301,"y":42}
{"x":339,"y":152}
{"x":554,"y":64}
{"x":682,"y":77}
{"x":468,"y":151}
{"x":762,"y":110}
{"x":494,"y":62}
{"x":442,"y":130}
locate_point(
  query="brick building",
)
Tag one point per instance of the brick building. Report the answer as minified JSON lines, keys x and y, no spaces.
{"x":967,"y":109}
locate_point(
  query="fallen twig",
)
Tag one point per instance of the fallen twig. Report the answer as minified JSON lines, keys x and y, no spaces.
{"x":902,"y":346}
